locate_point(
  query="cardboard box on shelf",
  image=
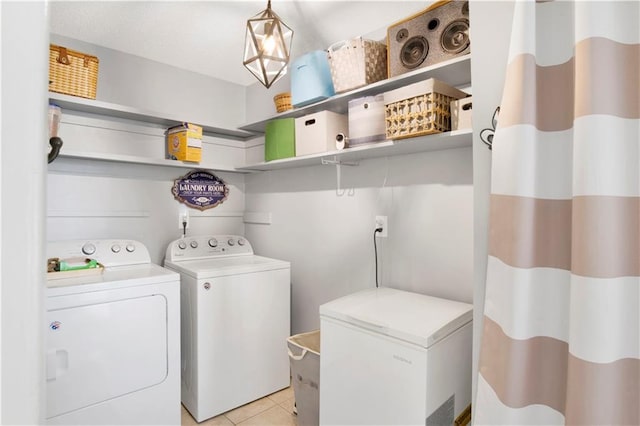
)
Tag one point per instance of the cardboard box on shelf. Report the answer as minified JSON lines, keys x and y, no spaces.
{"x":184,"y":142}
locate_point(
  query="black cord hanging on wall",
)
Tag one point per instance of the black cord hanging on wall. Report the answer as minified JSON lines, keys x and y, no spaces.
{"x":487,"y":134}
{"x":375,"y":249}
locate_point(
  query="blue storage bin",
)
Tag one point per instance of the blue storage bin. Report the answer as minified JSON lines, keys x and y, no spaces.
{"x":311,"y":79}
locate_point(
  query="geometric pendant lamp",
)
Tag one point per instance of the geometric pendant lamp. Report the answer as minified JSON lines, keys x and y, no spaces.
{"x":267,"y":45}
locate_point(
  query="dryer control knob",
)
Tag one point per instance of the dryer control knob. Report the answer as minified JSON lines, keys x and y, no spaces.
{"x":88,"y":249}
{"x":241,"y":241}
{"x":182,"y":245}
{"x":131,"y":248}
{"x":115,"y":248}
{"x":213,"y":242}
{"x":193,"y":244}
{"x":231,"y":242}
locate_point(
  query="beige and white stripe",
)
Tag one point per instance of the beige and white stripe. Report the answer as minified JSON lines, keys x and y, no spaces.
{"x":592,"y":314}
{"x":561,"y":338}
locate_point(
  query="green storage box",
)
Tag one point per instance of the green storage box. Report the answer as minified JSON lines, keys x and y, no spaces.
{"x":280,"y":139}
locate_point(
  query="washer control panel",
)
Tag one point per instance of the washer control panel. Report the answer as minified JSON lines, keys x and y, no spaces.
{"x":106,"y":252}
{"x":206,"y":246}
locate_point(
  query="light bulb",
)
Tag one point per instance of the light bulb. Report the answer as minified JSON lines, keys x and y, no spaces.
{"x":268,"y":45}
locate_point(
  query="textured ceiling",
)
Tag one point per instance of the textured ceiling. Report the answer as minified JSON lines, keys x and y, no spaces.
{"x":208,"y":36}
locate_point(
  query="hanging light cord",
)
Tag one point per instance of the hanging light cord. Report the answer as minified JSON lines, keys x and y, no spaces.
{"x":375,"y":249}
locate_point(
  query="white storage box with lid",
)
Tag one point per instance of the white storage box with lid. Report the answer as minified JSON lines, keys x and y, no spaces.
{"x":316,"y":133}
{"x":394,"y":357}
{"x":366,"y":120}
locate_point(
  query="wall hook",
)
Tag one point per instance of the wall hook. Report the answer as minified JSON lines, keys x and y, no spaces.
{"x":335,"y":162}
{"x":487,"y":134}
{"x":56,"y":144}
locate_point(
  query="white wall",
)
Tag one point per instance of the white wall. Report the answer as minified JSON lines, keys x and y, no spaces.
{"x":96,"y":199}
{"x":141,"y":83}
{"x":260,"y":104}
{"x":131,"y":202}
{"x":490,"y":35}
{"x":428,"y":199}
{"x":328,"y":238}
{"x":23,"y":151}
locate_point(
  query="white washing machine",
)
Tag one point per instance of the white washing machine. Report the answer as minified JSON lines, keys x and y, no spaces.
{"x":235,"y":322}
{"x":391,"y":357}
{"x":112,"y":338}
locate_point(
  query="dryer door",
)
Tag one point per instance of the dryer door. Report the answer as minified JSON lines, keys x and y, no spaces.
{"x":101,"y":351}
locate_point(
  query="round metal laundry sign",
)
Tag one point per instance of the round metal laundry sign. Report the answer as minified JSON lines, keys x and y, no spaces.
{"x":200,"y":189}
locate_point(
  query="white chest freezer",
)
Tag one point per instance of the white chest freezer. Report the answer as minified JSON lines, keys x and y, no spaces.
{"x":394,"y":357}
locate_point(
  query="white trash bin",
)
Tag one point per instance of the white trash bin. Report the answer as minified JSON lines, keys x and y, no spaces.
{"x":304,"y":357}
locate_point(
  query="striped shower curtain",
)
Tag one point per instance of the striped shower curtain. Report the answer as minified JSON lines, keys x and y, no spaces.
{"x":561,"y":332}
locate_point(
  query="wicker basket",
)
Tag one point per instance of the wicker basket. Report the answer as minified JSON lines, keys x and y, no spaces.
{"x":72,"y":73}
{"x":419,"y":109}
{"x":282,"y":101}
{"x":357,"y":62}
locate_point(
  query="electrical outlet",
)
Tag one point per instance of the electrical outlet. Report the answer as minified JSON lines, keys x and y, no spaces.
{"x":183,"y":217}
{"x":381,"y":222}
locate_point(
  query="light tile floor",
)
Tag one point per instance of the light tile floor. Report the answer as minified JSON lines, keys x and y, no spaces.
{"x":272,"y":410}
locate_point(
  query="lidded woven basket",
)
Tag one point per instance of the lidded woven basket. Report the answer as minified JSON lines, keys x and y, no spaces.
{"x":72,"y":72}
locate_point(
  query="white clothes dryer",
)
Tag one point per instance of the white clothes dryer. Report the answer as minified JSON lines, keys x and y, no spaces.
{"x":235,"y":309}
{"x":112,"y":338}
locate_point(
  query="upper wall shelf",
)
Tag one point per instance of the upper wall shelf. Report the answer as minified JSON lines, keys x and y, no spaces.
{"x":455,"y":72}
{"x":435,"y":142}
{"x":92,"y":106}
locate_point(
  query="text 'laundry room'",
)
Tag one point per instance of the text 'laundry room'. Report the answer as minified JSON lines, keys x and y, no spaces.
{"x":300,"y":212}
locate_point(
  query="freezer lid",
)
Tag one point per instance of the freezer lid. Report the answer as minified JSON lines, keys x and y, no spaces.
{"x":415,"y":318}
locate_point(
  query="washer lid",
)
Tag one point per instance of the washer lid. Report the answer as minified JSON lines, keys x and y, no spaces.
{"x":415,"y":318}
{"x":223,"y":266}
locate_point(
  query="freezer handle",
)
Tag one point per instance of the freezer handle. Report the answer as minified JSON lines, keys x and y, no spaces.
{"x":367,"y":324}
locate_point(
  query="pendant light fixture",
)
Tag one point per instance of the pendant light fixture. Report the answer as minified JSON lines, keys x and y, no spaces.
{"x":267,"y":46}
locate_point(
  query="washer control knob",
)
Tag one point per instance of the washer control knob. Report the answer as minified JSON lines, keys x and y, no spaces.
{"x":241,"y":241}
{"x":182,"y":245}
{"x":88,"y":249}
{"x":131,"y":248}
{"x":193,"y":244}
{"x":213,"y":242}
{"x":231,"y":242}
{"x":115,"y":248}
